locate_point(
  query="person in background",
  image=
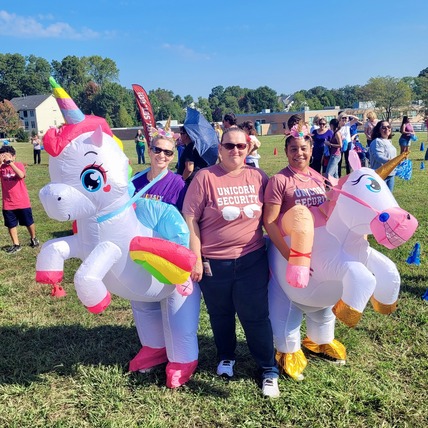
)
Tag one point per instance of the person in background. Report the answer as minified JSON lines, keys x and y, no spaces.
{"x":190,"y":161}
{"x":232,"y":269}
{"x":335,"y":146}
{"x":140,"y":146}
{"x":369,"y":125}
{"x":16,"y":201}
{"x":253,"y":157}
{"x":382,"y":150}
{"x":229,"y":121}
{"x":346,"y":121}
{"x":320,"y":136}
{"x":407,"y":132}
{"x":315,"y":124}
{"x":37,"y":148}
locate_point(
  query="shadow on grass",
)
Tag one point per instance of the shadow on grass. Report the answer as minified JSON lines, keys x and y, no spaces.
{"x":26,"y":354}
{"x":415,"y":284}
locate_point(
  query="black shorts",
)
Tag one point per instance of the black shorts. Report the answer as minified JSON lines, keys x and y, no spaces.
{"x":22,"y":216}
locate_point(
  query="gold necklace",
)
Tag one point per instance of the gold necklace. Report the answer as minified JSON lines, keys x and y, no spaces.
{"x":309,"y":178}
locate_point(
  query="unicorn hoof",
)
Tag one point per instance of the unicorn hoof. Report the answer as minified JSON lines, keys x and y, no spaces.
{"x":58,"y":291}
{"x":186,"y":288}
{"x":147,"y":358}
{"x":102,"y":306}
{"x":297,"y":276}
{"x":178,"y":374}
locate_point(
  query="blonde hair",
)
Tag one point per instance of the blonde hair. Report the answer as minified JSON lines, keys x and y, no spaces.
{"x":371,"y":115}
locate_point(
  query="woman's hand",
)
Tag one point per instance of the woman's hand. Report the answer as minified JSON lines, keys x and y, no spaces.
{"x":197,"y":271}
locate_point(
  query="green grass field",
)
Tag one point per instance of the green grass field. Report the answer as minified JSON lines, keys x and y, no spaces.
{"x":61,"y":366}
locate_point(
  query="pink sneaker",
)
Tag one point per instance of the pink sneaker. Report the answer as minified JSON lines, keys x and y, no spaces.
{"x":178,"y":374}
{"x":147,"y":358}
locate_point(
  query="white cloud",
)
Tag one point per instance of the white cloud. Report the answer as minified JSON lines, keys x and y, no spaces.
{"x":186,"y":52}
{"x":23,"y":27}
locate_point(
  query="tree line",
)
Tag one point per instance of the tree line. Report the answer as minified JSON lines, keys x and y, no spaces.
{"x":93,"y":83}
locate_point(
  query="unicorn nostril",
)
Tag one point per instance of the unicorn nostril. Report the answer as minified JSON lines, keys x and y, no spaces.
{"x":59,"y":198}
{"x":384,"y":217}
{"x":408,"y":216}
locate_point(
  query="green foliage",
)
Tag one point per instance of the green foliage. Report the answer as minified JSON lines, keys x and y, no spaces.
{"x":9,"y":121}
{"x":22,"y":135}
{"x":389,"y":95}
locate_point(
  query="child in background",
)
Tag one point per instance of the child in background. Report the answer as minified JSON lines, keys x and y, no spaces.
{"x":16,"y":202}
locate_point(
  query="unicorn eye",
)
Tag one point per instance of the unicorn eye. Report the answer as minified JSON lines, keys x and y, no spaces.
{"x":92,"y":178}
{"x":373,"y":185}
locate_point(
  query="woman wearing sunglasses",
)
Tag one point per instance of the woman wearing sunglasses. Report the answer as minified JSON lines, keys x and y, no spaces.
{"x":223,"y":209}
{"x":381,"y":149}
{"x":320,"y":136}
{"x":170,"y":188}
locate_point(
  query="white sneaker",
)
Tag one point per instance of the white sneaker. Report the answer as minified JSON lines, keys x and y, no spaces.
{"x":225,"y":368}
{"x":270,"y":387}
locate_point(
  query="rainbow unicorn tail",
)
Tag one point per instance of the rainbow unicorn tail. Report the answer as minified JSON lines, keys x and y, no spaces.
{"x":168,"y":262}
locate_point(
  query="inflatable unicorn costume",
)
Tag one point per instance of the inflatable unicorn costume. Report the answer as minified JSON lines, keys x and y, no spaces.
{"x":90,"y":184}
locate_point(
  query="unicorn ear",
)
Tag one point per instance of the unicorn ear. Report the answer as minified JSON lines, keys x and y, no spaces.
{"x":354,"y":160}
{"x":97,"y":137}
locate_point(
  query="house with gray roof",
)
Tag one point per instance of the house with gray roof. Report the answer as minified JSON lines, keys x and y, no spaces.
{"x":38,"y":113}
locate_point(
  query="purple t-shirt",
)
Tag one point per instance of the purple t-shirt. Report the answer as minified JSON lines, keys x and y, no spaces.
{"x":170,"y":189}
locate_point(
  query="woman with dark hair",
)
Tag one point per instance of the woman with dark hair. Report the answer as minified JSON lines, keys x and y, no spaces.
{"x":229,"y":120}
{"x":335,"y":146}
{"x":407,"y":132}
{"x":320,"y":136}
{"x":381,"y":149}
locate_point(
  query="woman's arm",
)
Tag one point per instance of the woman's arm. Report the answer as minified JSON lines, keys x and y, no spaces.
{"x":189,"y":166}
{"x":270,"y":217}
{"x":195,"y":246}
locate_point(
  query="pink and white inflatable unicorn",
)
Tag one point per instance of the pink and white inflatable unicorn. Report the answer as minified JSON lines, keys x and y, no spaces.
{"x":90,"y":184}
{"x":345,"y":271}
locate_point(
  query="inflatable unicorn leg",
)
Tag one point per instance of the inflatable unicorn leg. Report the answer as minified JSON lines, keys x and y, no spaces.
{"x":320,"y":334}
{"x":168,"y":332}
{"x":88,"y":279}
{"x":384,"y":299}
{"x":358,"y":286}
{"x":180,"y":323}
{"x":298,"y":223}
{"x":286,"y":320}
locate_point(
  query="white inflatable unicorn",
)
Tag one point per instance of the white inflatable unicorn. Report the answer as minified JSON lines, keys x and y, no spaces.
{"x":345,"y":271}
{"x":90,"y":177}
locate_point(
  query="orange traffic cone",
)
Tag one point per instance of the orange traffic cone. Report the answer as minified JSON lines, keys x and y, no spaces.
{"x":275,"y":152}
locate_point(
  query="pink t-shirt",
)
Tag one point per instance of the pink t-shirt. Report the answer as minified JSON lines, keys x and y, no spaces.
{"x":288,"y":189}
{"x":14,"y":190}
{"x":228,"y":210}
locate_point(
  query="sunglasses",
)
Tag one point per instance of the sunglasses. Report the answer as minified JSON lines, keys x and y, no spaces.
{"x":158,"y":150}
{"x":344,"y":118}
{"x":385,"y":127}
{"x":323,"y":123}
{"x":231,"y":146}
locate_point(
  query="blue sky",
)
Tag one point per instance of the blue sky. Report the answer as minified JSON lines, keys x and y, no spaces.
{"x":189,"y":47}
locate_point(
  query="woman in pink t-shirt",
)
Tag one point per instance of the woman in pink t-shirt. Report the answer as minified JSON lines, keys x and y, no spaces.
{"x":223,"y":209}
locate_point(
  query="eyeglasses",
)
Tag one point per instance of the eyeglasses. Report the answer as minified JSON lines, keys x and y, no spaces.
{"x":158,"y":150}
{"x":231,"y":146}
{"x":384,"y":128}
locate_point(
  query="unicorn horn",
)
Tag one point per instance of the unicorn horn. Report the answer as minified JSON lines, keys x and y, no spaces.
{"x":69,"y":109}
{"x":167,"y":126}
{"x":388,"y":167}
